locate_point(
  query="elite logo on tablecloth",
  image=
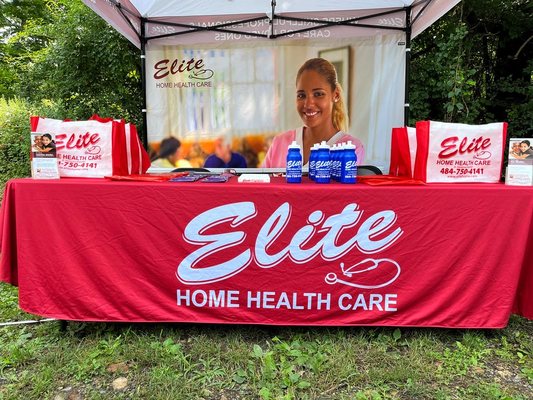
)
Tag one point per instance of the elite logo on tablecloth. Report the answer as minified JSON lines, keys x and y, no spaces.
{"x":315,"y":243}
{"x":326,"y":248}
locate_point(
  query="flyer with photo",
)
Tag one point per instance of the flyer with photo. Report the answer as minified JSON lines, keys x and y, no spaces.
{"x":44,"y":156}
{"x":520,"y":166}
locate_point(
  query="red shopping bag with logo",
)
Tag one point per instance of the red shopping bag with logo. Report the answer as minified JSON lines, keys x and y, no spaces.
{"x":134,"y":158}
{"x":403,"y":152}
{"x":452,"y":152}
{"x":137,"y":157}
{"x":93,"y":148}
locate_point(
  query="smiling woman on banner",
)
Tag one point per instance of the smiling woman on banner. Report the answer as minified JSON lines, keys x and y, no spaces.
{"x":320,"y":104}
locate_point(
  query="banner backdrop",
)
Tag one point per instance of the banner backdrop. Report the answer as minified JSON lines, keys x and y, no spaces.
{"x":196,"y":93}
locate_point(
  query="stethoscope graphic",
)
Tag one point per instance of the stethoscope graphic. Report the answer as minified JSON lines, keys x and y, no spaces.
{"x":483,"y":155}
{"x":332,"y":278}
{"x":93,"y":150}
{"x":203,"y":74}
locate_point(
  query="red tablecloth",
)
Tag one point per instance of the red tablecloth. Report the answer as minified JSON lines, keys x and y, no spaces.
{"x":432,"y":255}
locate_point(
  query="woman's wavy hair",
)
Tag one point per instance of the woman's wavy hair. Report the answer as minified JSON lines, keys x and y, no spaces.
{"x":168,"y":147}
{"x":327,"y":70}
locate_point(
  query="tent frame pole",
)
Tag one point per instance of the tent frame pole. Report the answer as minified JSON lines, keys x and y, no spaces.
{"x":144,"y":137}
{"x":407,"y":64}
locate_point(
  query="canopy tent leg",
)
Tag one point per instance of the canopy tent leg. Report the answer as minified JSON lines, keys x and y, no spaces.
{"x":407,"y":64}
{"x":144,"y":130}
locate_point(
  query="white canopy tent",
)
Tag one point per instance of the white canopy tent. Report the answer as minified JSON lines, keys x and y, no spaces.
{"x":197,"y":28}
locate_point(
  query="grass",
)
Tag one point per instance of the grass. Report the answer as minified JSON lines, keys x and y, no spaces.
{"x":192,"y":361}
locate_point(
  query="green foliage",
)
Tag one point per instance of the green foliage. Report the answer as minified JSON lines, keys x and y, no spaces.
{"x":19,"y":348}
{"x":285,"y":370}
{"x":16,"y":43}
{"x":9,"y":300}
{"x":445,"y":88}
{"x":14,"y":139}
{"x":99,"y":357}
{"x":73,"y":60}
{"x":475,"y":66}
{"x":464,"y":355}
{"x":88,"y":67}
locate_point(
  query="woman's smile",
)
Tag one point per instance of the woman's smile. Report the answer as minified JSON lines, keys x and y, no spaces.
{"x":311,"y":114}
{"x":314,"y":101}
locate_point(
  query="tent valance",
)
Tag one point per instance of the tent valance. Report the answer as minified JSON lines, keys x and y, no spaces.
{"x":210,"y":21}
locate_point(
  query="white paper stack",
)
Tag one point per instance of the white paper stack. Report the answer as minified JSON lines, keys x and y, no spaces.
{"x":254,"y":178}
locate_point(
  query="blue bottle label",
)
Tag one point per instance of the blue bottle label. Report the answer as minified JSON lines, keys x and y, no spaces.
{"x":322,"y":172}
{"x":349,"y":167}
{"x":294,"y":166}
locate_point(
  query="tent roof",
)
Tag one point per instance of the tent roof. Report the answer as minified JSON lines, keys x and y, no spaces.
{"x":210,"y":21}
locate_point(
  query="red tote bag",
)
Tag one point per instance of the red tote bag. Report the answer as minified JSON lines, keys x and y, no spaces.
{"x":138,"y":160}
{"x":451,"y":152}
{"x":95,"y":148}
{"x":403,"y":152}
{"x":84,"y":148}
{"x":133,"y":157}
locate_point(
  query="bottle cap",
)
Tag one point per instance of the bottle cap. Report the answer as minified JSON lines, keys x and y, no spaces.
{"x":349,"y":145}
{"x":294,"y":145}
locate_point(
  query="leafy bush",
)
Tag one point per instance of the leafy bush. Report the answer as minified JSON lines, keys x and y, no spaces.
{"x":14,"y":140}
